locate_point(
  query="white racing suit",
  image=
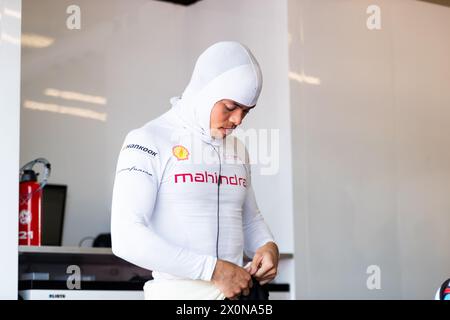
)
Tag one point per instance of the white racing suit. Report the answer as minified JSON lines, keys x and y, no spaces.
{"x":169,"y":212}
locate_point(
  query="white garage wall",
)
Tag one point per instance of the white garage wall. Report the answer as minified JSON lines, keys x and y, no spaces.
{"x":10,"y":19}
{"x":371,"y":143}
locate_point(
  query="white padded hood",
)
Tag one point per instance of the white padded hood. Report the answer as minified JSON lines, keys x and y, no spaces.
{"x":226,"y":70}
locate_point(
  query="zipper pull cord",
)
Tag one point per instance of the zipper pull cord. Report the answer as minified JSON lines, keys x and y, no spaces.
{"x":218,"y":200}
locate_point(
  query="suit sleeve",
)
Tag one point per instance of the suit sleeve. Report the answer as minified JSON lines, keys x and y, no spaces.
{"x":134,"y":195}
{"x":256,"y":231}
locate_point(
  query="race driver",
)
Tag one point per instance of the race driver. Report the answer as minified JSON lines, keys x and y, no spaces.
{"x":183,"y":204}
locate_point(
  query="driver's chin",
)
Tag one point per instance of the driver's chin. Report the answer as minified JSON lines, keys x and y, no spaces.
{"x":218,"y":133}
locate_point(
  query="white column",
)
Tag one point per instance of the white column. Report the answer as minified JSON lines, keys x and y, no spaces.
{"x":10,"y":30}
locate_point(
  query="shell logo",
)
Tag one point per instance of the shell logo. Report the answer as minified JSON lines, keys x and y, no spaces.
{"x":180,"y":152}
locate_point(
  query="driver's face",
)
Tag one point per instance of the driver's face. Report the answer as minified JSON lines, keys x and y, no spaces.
{"x":226,"y":115}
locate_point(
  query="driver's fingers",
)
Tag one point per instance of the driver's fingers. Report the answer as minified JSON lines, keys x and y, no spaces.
{"x":263,"y":282}
{"x":255,"y":264}
{"x":265,"y":268}
{"x":250,"y":283}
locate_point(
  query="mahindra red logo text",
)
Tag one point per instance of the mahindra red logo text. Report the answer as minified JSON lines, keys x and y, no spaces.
{"x":206,"y":177}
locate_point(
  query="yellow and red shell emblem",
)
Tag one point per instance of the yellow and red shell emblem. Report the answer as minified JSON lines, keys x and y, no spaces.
{"x":180,"y":152}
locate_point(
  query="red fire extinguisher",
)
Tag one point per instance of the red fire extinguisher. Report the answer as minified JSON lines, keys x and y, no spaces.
{"x":30,"y":197}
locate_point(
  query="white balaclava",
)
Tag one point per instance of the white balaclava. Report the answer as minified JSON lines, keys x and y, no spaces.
{"x":226,"y":70}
